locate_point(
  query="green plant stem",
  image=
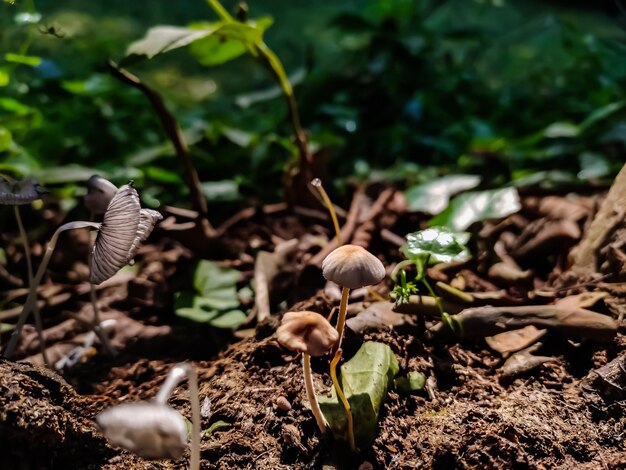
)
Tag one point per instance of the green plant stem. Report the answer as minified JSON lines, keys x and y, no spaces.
{"x":178,"y":372}
{"x":29,"y":267}
{"x":310,"y":392}
{"x":341,"y":320}
{"x":220,"y":11}
{"x":261,"y":52}
{"x":31,"y":300}
{"x":433,"y":295}
{"x":400,"y":266}
{"x":343,"y":399}
{"x":317,"y":184}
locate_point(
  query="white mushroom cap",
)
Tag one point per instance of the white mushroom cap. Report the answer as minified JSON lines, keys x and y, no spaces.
{"x":307,"y":332}
{"x":124,"y":228}
{"x":352,"y":266}
{"x":150,"y":430}
{"x":100,"y":191}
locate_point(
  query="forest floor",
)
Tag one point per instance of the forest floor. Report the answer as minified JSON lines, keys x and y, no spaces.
{"x":537,"y":398}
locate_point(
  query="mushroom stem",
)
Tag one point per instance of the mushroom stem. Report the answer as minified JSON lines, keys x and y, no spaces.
{"x":341,"y":321}
{"x":29,"y":266}
{"x":317,"y":184}
{"x":344,"y":400}
{"x":310,"y":392}
{"x":102,"y":335}
{"x":176,"y":375}
{"x":31,"y":300}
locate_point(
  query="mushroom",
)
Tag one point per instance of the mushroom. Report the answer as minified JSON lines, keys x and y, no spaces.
{"x":124,"y":228}
{"x":17,"y":193}
{"x":351,"y":267}
{"x":312,"y":335}
{"x":100,"y":191}
{"x":154,"y":430}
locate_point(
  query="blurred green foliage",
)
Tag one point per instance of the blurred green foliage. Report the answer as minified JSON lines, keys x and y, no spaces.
{"x":511,"y":90}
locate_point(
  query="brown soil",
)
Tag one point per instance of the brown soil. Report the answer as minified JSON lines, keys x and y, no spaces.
{"x":560,"y":414}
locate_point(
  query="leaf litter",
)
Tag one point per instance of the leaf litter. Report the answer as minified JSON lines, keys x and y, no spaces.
{"x":564,"y":411}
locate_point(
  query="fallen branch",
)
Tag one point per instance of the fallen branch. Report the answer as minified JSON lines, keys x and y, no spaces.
{"x":481,"y":322}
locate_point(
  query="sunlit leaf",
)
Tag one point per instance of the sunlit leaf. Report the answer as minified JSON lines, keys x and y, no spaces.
{"x":160,"y":39}
{"x":5,"y":78}
{"x":476,"y":206}
{"x":432,"y":197}
{"x":365,"y":380}
{"x":5,"y":138}
{"x":438,"y":244}
{"x":30,"y":60}
{"x":227,"y":43}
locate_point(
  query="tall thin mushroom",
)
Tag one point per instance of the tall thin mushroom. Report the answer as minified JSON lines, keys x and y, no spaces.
{"x":124,"y":228}
{"x":100,"y":192}
{"x":350,"y":266}
{"x":17,"y":193}
{"x":312,"y":335}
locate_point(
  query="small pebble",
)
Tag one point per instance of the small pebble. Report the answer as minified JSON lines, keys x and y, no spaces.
{"x":283,"y":404}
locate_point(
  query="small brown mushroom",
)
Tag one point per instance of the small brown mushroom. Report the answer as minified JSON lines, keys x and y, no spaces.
{"x":311,"y":334}
{"x":306,"y":332}
{"x":351,"y":266}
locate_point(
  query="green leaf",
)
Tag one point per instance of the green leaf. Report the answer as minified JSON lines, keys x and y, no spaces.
{"x":5,"y":78}
{"x":162,"y":175}
{"x":30,"y":60}
{"x":4,"y":327}
{"x":438,"y":244}
{"x":225,"y":190}
{"x":475,"y":206}
{"x":215,"y":301}
{"x":5,"y":138}
{"x":365,"y":380}
{"x":231,"y":319}
{"x":160,"y":39}
{"x":65,"y":174}
{"x":433,"y":197}
{"x":593,"y":165}
{"x":412,"y":382}
{"x":601,"y":114}
{"x":209,"y":277}
{"x":216,"y":426}
{"x":229,"y":42}
{"x":561,"y":129}
{"x":214,"y":50}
